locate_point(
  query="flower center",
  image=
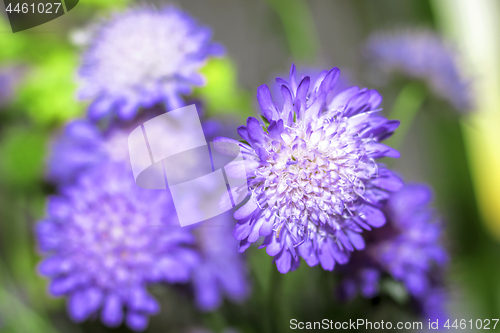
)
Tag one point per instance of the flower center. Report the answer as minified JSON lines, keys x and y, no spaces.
{"x":315,"y":174}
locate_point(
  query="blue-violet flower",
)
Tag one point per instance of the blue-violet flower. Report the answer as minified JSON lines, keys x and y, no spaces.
{"x":105,"y":239}
{"x":422,"y":54}
{"x":408,"y":248}
{"x":312,"y":173}
{"x":143,"y":57}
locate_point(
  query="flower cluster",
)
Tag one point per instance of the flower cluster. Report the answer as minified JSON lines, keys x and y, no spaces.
{"x":104,"y":239}
{"x":407,"y":248}
{"x":316,"y":189}
{"x":312,"y":173}
{"x":141,"y":58}
{"x":422,"y":54}
{"x":92,"y":168}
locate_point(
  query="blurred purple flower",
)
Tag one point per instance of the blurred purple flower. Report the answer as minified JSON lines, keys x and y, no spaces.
{"x":81,"y":146}
{"x":312,"y":173}
{"x":408,"y":248}
{"x":144,"y":57}
{"x":105,"y":239}
{"x":222,"y":270}
{"x":424,"y":55}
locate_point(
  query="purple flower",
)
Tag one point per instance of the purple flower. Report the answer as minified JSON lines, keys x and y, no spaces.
{"x":408,"y":248}
{"x":105,"y":239}
{"x":144,"y":57}
{"x":222,"y":270}
{"x":422,"y":54}
{"x":312,"y":173}
{"x":82,"y":145}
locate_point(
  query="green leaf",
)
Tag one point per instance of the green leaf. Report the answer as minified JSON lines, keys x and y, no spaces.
{"x":48,"y":94}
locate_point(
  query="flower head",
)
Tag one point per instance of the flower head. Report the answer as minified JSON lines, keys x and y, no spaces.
{"x":408,"y":248}
{"x":312,"y":173}
{"x":82,"y":145}
{"x":422,"y":54}
{"x":143,"y":57}
{"x":105,"y":240}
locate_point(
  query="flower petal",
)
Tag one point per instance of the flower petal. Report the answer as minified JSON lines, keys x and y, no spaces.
{"x":112,"y":312}
{"x":372,"y":216}
{"x":246,"y":209}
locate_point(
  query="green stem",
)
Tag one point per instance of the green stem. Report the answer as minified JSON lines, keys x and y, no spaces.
{"x":17,"y":316}
{"x":405,"y":108}
{"x":275,"y":295}
{"x":215,"y":321}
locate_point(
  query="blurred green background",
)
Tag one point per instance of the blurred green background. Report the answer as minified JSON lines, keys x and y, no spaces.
{"x":457,"y":155}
